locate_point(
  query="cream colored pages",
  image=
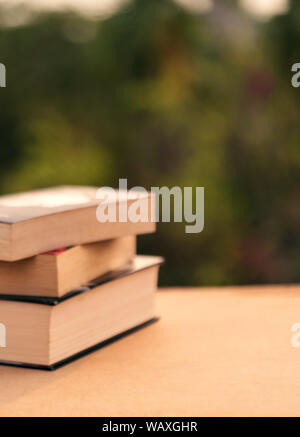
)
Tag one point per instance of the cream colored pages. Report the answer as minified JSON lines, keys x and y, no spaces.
{"x":215,"y":352}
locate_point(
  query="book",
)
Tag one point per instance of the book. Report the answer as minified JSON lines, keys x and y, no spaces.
{"x":49,"y":332}
{"x":58,"y":272}
{"x":39,"y":221}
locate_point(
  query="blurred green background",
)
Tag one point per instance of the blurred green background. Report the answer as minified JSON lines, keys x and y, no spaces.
{"x":163,"y":95}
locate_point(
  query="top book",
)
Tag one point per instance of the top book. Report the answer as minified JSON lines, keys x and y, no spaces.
{"x":39,"y":221}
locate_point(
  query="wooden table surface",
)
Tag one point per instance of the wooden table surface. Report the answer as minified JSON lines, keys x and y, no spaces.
{"x":215,"y":352}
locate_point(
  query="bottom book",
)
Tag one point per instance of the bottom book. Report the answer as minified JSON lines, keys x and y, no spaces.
{"x":47,"y":333}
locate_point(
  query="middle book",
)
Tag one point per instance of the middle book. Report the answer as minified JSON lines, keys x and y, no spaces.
{"x":57,"y":273}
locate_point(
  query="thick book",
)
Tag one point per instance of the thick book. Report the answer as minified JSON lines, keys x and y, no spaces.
{"x":39,"y":221}
{"x":55,"y":273}
{"x":48,"y":332}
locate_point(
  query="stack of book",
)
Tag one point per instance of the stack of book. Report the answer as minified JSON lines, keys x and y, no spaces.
{"x":69,"y":283}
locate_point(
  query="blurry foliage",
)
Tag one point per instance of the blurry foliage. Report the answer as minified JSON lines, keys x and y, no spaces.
{"x":165,"y":97}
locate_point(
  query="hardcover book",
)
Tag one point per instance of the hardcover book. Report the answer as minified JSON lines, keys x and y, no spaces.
{"x":49,"y":332}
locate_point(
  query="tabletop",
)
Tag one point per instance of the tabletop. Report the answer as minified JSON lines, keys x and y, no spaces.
{"x":215,"y":352}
